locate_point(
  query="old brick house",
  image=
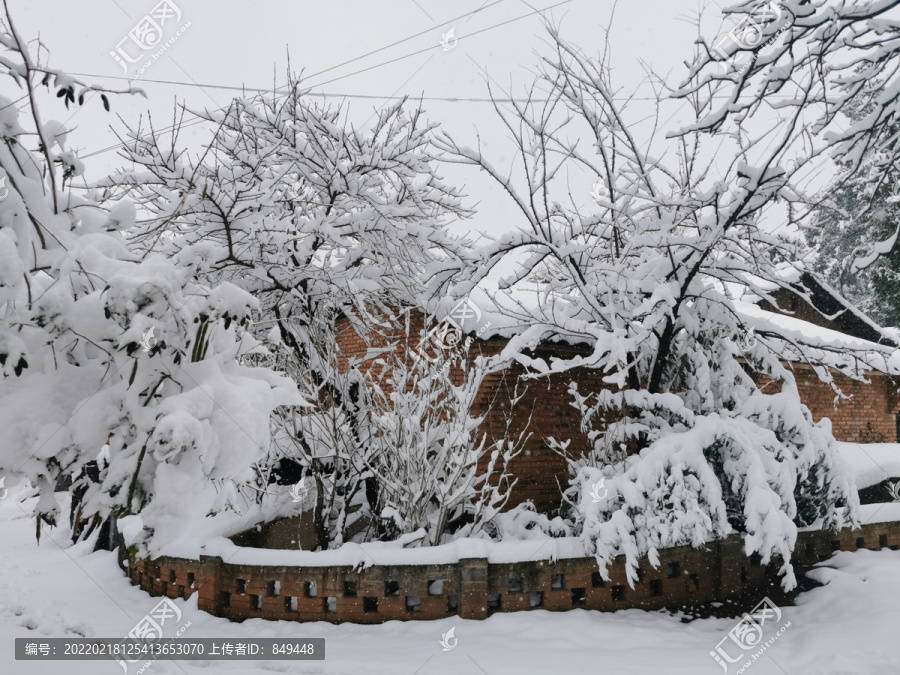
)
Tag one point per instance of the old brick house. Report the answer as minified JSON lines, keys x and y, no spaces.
{"x":870,"y":414}
{"x":304,"y":586}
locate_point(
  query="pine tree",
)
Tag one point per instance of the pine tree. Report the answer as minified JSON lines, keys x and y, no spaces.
{"x":860,"y":212}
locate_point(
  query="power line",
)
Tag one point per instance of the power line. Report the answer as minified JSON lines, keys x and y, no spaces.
{"x":378,"y":65}
{"x":450,"y":99}
{"x":178,"y":83}
{"x":323,"y":94}
{"x":433,"y":47}
{"x":326,"y":70}
{"x":187,"y":124}
{"x":407,"y":39}
{"x":12,"y":103}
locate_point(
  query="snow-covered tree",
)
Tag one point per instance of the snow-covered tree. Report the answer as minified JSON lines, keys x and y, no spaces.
{"x":320,"y":222}
{"x":98,"y":343}
{"x":300,"y":209}
{"x":853,"y":233}
{"x":644,"y":269}
{"x":831,"y":69}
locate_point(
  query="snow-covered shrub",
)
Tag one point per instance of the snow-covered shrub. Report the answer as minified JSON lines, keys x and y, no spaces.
{"x":427,"y":448}
{"x":98,"y":342}
{"x":524,"y":522}
{"x":326,"y":436}
{"x":759,"y":467}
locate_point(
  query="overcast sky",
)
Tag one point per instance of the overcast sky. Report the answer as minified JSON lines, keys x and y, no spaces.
{"x":231,"y":43}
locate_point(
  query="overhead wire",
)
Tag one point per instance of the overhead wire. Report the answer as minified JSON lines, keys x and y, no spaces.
{"x":450,"y":99}
{"x":320,"y":72}
{"x":170,"y":128}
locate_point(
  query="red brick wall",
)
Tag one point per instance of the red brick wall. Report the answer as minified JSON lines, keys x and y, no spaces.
{"x":475,"y":588}
{"x":539,"y":470}
{"x":868,"y":416}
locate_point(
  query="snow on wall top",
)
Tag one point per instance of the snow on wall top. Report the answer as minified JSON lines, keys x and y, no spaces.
{"x":871,"y":463}
{"x":540,"y":548}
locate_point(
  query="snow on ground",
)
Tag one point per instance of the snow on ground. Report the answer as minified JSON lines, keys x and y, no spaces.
{"x":54,"y":590}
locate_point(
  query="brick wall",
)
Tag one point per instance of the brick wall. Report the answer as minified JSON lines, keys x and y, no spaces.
{"x":868,"y":416}
{"x":544,"y":408}
{"x":475,"y":588}
{"x":871,"y":415}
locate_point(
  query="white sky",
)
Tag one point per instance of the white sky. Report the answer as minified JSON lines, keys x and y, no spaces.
{"x":245,"y":43}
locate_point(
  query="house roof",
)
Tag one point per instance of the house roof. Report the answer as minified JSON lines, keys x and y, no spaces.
{"x":848,"y":318}
{"x":828,"y":321}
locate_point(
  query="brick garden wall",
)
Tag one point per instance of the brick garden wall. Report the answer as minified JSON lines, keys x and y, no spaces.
{"x":475,"y":589}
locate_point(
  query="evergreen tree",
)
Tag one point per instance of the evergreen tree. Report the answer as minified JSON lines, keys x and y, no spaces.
{"x":863,"y":210}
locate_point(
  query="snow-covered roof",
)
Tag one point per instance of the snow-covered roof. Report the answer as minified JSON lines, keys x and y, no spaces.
{"x":798,"y":329}
{"x":505,"y":314}
{"x":497,"y":318}
{"x":848,"y":307}
{"x":871,"y":463}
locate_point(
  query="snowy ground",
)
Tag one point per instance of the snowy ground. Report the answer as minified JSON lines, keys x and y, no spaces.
{"x":51,"y":590}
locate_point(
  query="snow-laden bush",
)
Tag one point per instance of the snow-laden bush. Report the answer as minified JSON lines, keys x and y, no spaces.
{"x":327,"y":436}
{"x":392,"y":446}
{"x":98,"y":343}
{"x":434,"y":468}
{"x":747,"y":462}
